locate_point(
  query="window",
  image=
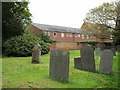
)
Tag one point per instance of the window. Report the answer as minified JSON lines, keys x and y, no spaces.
{"x":82,"y":36}
{"x":111,"y":37}
{"x":62,"y":34}
{"x":87,"y":36}
{"x":45,"y":33}
{"x":91,"y":36}
{"x":67,"y":35}
{"x":48,"y":33}
{"x":78,"y":35}
{"x":55,"y":34}
{"x":70,"y":35}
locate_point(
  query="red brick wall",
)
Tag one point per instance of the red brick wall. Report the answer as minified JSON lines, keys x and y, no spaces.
{"x":34,"y":30}
{"x":65,"y":46}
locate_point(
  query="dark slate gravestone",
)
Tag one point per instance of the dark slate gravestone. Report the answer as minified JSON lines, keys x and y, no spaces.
{"x":59,"y":65}
{"x":106,"y":62}
{"x":77,"y":63}
{"x":113,"y":51}
{"x":118,"y":48}
{"x":97,"y":51}
{"x":36,"y":54}
{"x":87,"y":59}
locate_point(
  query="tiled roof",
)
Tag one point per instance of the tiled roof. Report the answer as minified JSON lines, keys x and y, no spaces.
{"x":54,"y":28}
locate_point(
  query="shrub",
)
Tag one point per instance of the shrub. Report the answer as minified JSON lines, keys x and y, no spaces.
{"x":23,"y":45}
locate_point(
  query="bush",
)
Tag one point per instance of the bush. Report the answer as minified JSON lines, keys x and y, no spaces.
{"x":23,"y":45}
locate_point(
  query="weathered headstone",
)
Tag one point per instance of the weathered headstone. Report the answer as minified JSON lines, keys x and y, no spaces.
{"x":118,"y":48}
{"x":98,"y":51}
{"x":77,"y":63}
{"x":106,"y":62}
{"x":113,"y":51}
{"x":59,"y":65}
{"x":87,"y":59}
{"x":36,"y":54}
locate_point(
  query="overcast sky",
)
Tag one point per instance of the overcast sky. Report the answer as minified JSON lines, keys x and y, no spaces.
{"x":69,"y":13}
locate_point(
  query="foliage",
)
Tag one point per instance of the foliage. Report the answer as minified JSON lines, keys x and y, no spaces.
{"x":116,"y":33}
{"x":18,"y":72}
{"x":116,"y":38}
{"x":105,"y":14}
{"x":15,"y":18}
{"x":46,"y":38}
{"x":104,"y":18}
{"x":89,"y":42}
{"x":23,"y":45}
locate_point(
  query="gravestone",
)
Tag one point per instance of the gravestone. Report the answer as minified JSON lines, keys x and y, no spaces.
{"x":36,"y":54}
{"x":118,"y":48}
{"x":106,"y":62}
{"x":87,"y":59}
{"x":97,"y":51}
{"x":113,"y":51}
{"x":77,"y":63}
{"x":59,"y":65}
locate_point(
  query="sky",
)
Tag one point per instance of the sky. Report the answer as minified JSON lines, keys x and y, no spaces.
{"x":68,"y":13}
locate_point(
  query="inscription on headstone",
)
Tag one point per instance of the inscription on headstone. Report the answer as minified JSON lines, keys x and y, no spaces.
{"x":36,"y":54}
{"x":87,"y":59}
{"x":59,"y":65}
{"x":106,"y":62}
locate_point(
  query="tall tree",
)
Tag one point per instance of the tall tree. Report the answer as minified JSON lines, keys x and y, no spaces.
{"x":104,"y":16}
{"x":15,"y":18}
{"x":117,"y":28}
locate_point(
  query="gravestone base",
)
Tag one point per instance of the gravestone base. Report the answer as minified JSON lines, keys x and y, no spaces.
{"x":77,"y":63}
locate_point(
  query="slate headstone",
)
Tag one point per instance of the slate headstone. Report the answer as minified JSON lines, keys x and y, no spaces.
{"x":106,"y":62}
{"x":77,"y":63}
{"x":97,"y":51}
{"x":87,"y":59}
{"x":118,"y":48}
{"x":59,"y":65}
{"x":113,"y":51}
{"x":36,"y":54}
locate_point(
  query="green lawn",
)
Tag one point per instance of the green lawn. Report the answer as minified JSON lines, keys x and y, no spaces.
{"x":18,"y":72}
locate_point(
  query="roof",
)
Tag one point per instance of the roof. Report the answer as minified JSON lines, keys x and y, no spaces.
{"x":54,"y":28}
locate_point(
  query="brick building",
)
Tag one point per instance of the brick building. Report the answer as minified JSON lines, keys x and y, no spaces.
{"x":61,"y":34}
{"x":66,"y":36}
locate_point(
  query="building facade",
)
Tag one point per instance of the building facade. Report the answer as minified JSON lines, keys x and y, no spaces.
{"x":60,"y":34}
{"x":66,"y":37}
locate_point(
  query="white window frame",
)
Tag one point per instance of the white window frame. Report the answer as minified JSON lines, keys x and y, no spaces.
{"x":67,"y":34}
{"x":62,"y":35}
{"x":78,"y":35}
{"x":71,"y":35}
{"x":48,"y":33}
{"x":87,"y":37}
{"x":83,"y":36}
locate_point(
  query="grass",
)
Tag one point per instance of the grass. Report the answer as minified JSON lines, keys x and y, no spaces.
{"x":18,"y":72}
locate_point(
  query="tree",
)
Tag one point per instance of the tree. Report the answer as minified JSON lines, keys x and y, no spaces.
{"x":104,"y":18}
{"x":15,"y":19}
{"x":117,"y":28}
